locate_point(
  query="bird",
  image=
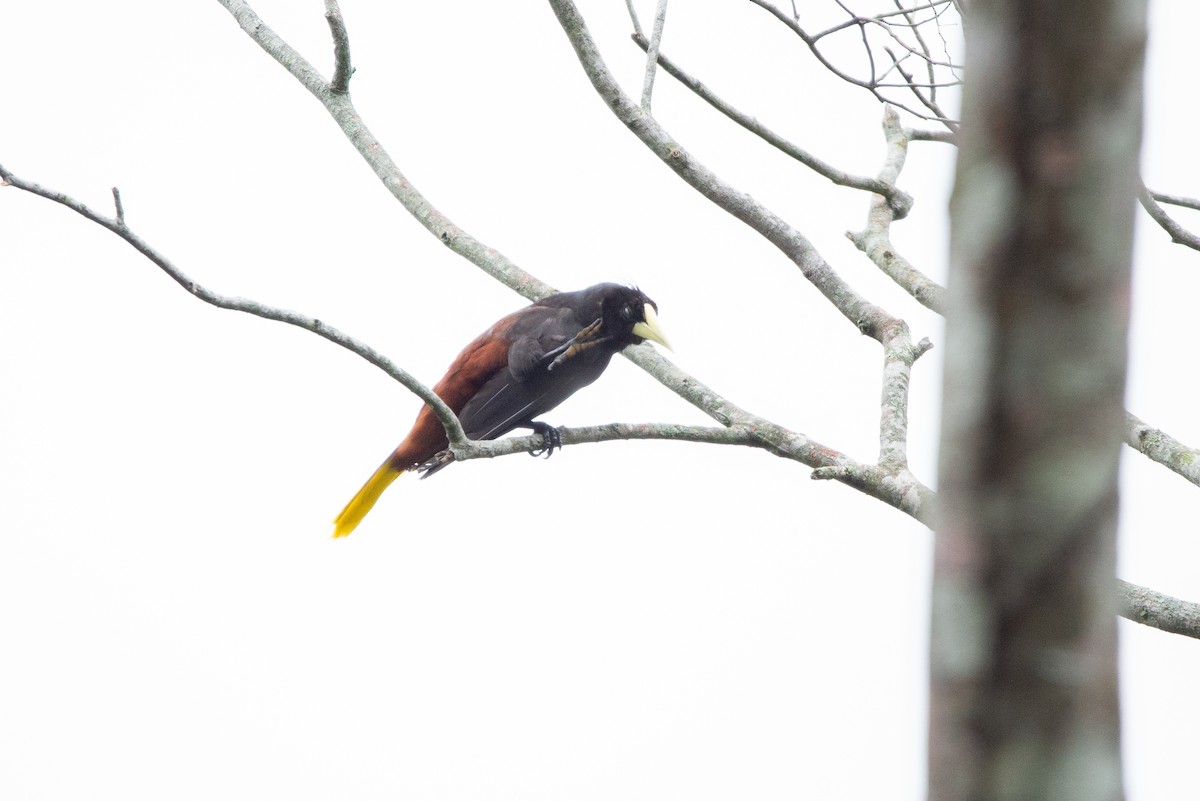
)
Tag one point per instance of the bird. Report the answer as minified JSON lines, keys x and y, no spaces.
{"x":523,"y":366}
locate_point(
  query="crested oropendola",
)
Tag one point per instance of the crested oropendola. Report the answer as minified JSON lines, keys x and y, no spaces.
{"x":523,"y":366}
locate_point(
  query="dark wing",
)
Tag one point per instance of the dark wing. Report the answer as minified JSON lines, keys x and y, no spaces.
{"x":534,"y":383}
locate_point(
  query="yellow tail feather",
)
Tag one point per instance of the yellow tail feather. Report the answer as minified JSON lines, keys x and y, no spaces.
{"x":361,"y":503}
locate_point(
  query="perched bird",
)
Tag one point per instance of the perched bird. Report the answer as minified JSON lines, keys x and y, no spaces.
{"x":523,"y":366}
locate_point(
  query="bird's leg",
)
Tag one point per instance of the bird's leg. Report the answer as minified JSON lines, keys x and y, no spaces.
{"x":441,"y":459}
{"x":551,"y":439}
{"x":576,"y":349}
{"x":582,"y":341}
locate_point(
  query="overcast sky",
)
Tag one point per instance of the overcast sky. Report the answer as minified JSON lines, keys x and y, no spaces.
{"x":626,"y":620}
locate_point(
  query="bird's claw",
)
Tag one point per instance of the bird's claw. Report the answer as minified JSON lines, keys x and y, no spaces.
{"x":551,"y":439}
{"x":440,"y":460}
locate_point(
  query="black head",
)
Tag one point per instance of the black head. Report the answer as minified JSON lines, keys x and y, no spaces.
{"x":629,"y":316}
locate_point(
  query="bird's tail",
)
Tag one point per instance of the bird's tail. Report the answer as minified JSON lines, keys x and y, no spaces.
{"x":362,"y":502}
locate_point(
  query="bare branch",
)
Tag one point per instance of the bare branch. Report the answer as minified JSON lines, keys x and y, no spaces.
{"x":454,"y":430}
{"x":899,"y":354}
{"x":1157,"y":610}
{"x":867,"y":317}
{"x":1176,"y":200}
{"x":872,"y":85}
{"x":1161,"y":447}
{"x":120,"y":218}
{"x":633,"y":17}
{"x":875,"y":239}
{"x":900,"y":201}
{"x":341,"y":48}
{"x":917,"y":135}
{"x":926,"y":100}
{"x":371,"y":149}
{"x":908,"y":12}
{"x":1178,"y":233}
{"x":925,"y":52}
{"x":712,"y":435}
{"x":660,"y":20}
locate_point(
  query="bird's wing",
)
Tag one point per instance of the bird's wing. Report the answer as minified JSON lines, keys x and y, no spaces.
{"x":511,"y":397}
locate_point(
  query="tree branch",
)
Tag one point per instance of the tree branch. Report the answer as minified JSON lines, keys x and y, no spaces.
{"x":341,"y":48}
{"x":1158,"y":610}
{"x":1161,"y":447}
{"x":867,"y":317}
{"x":873,"y":85}
{"x":900,"y":201}
{"x":371,"y":149}
{"x":1176,"y":200}
{"x":712,"y":435}
{"x":899,"y":354}
{"x":660,"y":20}
{"x":875,"y":240}
{"x":117,"y":225}
{"x":1178,"y":233}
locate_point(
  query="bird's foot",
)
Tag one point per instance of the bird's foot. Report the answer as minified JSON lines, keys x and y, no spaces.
{"x":551,"y":439}
{"x":440,"y":460}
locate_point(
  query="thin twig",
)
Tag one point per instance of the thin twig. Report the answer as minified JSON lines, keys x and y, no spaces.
{"x":920,"y":135}
{"x":905,"y":12}
{"x":875,"y":240}
{"x":454,"y":430}
{"x":812,"y":43}
{"x":120,"y":218}
{"x":900,"y":201}
{"x":1159,"y":446}
{"x":633,"y":17}
{"x":1178,"y":233}
{"x":341,"y":48}
{"x":660,"y":20}
{"x":867,"y":317}
{"x":1158,"y":610}
{"x":926,"y":100}
{"x":1176,"y":200}
{"x":343,"y":112}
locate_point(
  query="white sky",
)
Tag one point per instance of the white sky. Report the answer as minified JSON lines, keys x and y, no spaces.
{"x":627,"y":620}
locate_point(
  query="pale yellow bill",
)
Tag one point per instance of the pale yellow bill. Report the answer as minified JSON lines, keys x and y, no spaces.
{"x":651,"y":330}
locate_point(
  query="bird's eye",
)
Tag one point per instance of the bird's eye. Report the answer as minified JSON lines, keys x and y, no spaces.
{"x":627,"y":312}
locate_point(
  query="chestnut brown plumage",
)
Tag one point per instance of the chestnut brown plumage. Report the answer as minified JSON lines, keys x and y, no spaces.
{"x":523,"y":366}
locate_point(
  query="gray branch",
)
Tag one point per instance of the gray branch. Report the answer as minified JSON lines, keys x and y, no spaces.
{"x":117,"y":225}
{"x":660,"y":20}
{"x":342,"y":109}
{"x":873,"y":85}
{"x":1158,"y":610}
{"x":869,"y":318}
{"x":341,"y":48}
{"x":1178,"y":233}
{"x":920,"y":135}
{"x":1176,"y":200}
{"x":1161,"y":447}
{"x":875,"y":240}
{"x":899,"y":201}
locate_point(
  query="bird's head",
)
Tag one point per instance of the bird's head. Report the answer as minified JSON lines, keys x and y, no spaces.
{"x":631,"y":317}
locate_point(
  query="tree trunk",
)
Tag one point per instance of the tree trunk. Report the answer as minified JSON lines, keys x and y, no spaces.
{"x":1024,"y":648}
